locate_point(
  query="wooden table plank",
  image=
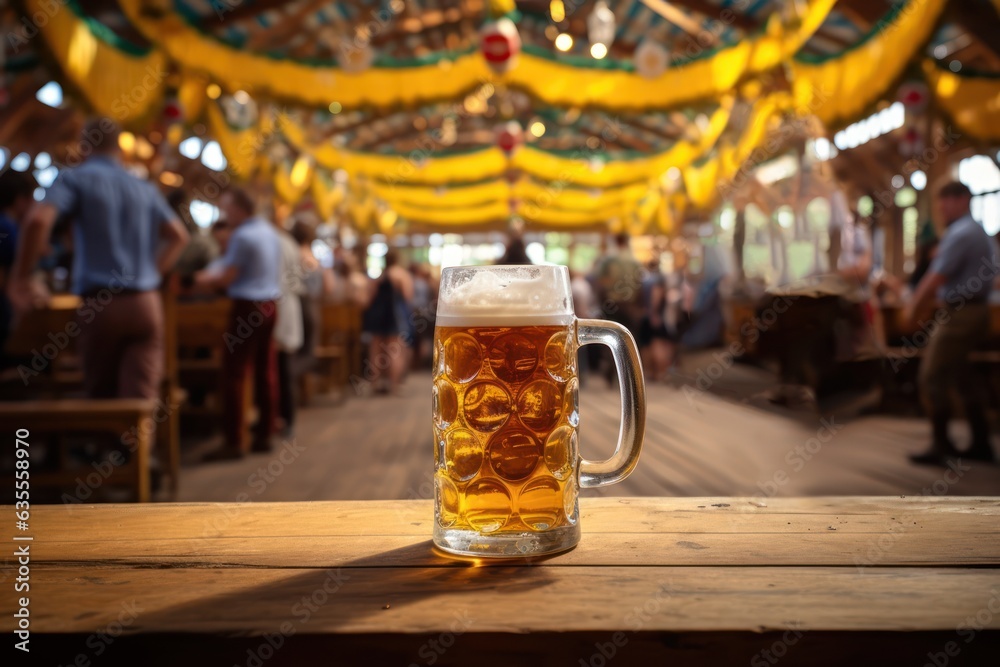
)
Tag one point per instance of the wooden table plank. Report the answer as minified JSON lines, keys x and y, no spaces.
{"x":123,"y":523}
{"x":855,"y":532}
{"x":508,"y":599}
{"x":702,"y":580}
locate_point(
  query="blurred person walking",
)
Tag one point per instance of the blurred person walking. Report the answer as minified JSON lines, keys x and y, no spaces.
{"x":585,"y":307}
{"x":387,"y":322}
{"x":221,"y":232}
{"x":201,"y":249}
{"x":125,"y":237}
{"x":16,"y":199}
{"x":318,"y":282}
{"x":655,"y":342}
{"x":250,"y":272}
{"x":961,"y":276}
{"x":516,"y":253}
{"x":424,"y":307}
{"x":351,"y":285}
{"x":288,"y":330}
{"x":618,"y":278}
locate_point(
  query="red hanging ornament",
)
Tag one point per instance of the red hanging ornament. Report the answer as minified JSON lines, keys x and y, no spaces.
{"x":510,"y":135}
{"x":172,"y":110}
{"x":912,"y":142}
{"x":500,"y":44}
{"x":914,"y":95}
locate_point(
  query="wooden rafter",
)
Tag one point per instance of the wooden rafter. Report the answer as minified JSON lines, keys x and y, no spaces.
{"x":452,"y":18}
{"x":678,"y":17}
{"x":979,"y":20}
{"x":289,"y":24}
{"x":864,"y":13}
{"x":240,"y":12}
{"x":713,"y":11}
{"x":671,"y":132}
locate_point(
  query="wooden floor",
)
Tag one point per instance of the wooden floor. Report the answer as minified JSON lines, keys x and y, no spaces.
{"x":723,"y":443}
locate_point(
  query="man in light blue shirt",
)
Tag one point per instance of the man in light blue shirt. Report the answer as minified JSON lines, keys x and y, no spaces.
{"x":961,"y":276}
{"x":125,"y":238}
{"x":250,"y":272}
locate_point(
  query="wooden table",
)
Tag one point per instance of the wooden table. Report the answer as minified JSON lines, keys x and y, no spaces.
{"x":122,"y":418}
{"x":818,"y":581}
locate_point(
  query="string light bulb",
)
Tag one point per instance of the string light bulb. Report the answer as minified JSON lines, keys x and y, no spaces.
{"x":564,"y":42}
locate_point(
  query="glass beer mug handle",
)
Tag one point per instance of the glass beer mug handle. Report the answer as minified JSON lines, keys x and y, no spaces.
{"x":633,"y":393}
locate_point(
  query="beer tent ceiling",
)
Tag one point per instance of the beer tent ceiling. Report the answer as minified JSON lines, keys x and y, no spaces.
{"x":389,"y":113}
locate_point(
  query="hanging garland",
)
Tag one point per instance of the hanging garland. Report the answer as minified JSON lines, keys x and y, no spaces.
{"x":973,"y":103}
{"x":836,"y":89}
{"x":841,"y":88}
{"x":118,"y":79}
{"x":552,"y":79}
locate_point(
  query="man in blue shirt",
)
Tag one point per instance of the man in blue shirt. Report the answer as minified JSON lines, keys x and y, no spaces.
{"x":250,"y":271}
{"x":16,"y":198}
{"x":125,"y":238}
{"x":961,"y":277}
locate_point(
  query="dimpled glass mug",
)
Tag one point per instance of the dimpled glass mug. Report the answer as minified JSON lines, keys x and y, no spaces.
{"x":505,"y":411}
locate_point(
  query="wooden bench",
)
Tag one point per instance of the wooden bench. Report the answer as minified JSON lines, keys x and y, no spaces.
{"x":201,"y":327}
{"x":685,"y":581}
{"x":46,"y":336}
{"x":64,"y":378}
{"x":127,"y":420}
{"x":339,"y":344}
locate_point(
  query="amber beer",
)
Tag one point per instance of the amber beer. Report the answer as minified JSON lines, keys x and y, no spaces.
{"x":505,"y":420}
{"x":505,"y":416}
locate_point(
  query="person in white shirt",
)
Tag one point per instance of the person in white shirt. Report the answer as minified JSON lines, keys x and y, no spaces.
{"x":288,"y":334}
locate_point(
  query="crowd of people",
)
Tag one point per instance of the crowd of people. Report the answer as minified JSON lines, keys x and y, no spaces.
{"x":126,"y":237}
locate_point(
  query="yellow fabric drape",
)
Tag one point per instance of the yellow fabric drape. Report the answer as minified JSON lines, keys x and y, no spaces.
{"x":550,"y":80}
{"x":972,"y":102}
{"x":120,"y":85}
{"x":326,"y":196}
{"x":492,"y":163}
{"x":842,"y":88}
{"x":707,"y":183}
{"x":471,"y":215}
{"x":440,"y":197}
{"x":241,"y":147}
{"x":468,"y":218}
{"x":285,"y":185}
{"x":192,"y":96}
{"x":533,"y":199}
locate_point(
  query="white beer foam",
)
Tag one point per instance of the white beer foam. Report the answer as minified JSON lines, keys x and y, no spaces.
{"x":505,"y":295}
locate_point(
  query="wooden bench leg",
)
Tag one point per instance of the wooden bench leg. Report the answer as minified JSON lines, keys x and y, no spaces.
{"x":174,"y":450}
{"x":141,"y":466}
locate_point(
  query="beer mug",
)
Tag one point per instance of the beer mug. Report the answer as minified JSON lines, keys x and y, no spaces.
{"x":506,"y":411}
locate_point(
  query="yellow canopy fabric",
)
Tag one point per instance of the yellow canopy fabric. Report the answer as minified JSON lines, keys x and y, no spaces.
{"x":842,"y":88}
{"x":972,"y":102}
{"x":709,"y":182}
{"x":531,"y":198}
{"x":118,"y":83}
{"x":558,"y":191}
{"x":550,"y":80}
{"x":491,"y":163}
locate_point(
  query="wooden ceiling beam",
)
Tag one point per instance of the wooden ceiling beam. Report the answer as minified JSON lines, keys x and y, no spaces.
{"x":443,"y":18}
{"x":290,"y":23}
{"x":19,"y":109}
{"x":980,"y":21}
{"x":679,"y":18}
{"x":864,"y":13}
{"x":240,"y":12}
{"x":717,"y":12}
{"x":673,"y":133}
